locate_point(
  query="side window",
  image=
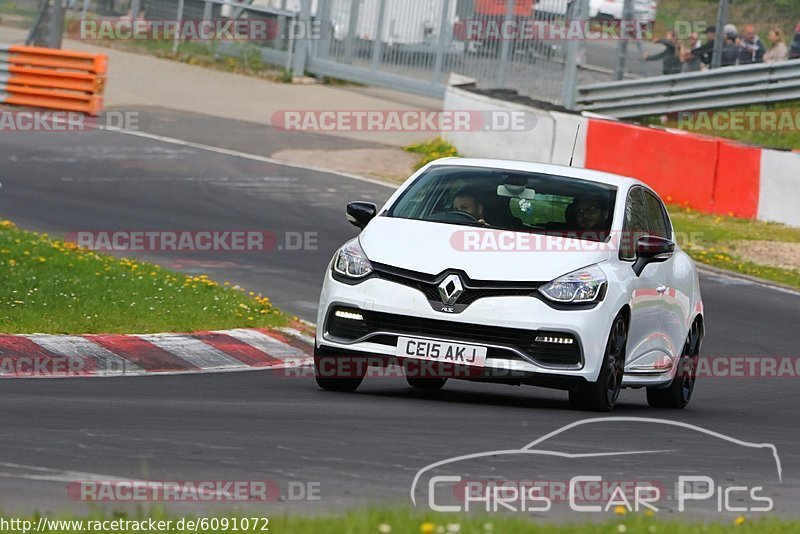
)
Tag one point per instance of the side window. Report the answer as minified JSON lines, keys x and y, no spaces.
{"x":657,"y":217}
{"x":636,"y":223}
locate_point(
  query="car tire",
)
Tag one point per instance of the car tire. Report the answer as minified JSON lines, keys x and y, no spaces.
{"x":679,"y":392}
{"x":427,"y":384}
{"x":357,"y":369}
{"x":601,"y":396}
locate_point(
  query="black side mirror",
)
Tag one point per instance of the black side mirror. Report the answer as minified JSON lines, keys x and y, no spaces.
{"x":361,"y":213}
{"x":652,"y":249}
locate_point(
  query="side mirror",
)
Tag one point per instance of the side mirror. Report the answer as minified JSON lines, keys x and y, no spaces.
{"x":361,"y":213}
{"x":652,"y":249}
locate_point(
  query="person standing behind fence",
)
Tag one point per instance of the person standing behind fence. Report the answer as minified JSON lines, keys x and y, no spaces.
{"x":671,"y":56}
{"x":730,"y":46}
{"x":779,"y":51}
{"x":705,"y":52}
{"x":794,"y":50}
{"x":691,"y":60}
{"x":751,"y":49}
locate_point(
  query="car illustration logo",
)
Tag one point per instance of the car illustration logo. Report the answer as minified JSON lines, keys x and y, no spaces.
{"x":450,"y":289}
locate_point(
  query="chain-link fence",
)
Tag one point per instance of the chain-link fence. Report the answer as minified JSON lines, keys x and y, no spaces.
{"x":425,"y":40}
{"x":410,"y":45}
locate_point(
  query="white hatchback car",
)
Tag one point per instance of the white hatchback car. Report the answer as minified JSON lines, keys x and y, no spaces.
{"x":517,"y":273}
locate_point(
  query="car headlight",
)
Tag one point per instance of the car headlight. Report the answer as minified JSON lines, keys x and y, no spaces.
{"x":351,"y":262}
{"x":584,"y":285}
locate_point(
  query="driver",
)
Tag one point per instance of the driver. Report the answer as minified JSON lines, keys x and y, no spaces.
{"x":467,"y":201}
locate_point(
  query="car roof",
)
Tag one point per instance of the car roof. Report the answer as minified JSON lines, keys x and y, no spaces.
{"x":601,"y":177}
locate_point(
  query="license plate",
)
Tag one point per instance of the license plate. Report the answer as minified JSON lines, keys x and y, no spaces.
{"x":440,"y":351}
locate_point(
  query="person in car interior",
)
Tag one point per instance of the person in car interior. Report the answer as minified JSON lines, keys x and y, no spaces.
{"x":587,"y":214}
{"x":468,"y":202}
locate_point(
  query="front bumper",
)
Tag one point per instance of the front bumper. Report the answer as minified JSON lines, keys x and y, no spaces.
{"x":377,"y":297}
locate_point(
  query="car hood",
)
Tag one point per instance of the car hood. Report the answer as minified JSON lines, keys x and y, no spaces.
{"x":483,"y":254}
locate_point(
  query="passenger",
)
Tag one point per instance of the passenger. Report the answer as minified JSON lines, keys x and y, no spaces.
{"x":589,"y":214}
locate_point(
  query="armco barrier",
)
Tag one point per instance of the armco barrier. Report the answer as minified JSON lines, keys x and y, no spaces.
{"x":49,"y":78}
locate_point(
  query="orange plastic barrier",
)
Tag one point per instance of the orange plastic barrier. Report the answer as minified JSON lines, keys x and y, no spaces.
{"x":707,"y":174}
{"x":44,"y":98}
{"x":64,"y":59}
{"x":55,"y":79}
{"x":73,"y":81}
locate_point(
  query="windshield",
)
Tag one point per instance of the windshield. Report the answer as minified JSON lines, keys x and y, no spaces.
{"x":510,"y":200}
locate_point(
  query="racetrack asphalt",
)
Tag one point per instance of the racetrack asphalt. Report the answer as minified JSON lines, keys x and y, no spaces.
{"x":364,"y":447}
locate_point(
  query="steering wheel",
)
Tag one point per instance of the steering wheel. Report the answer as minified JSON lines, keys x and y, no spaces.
{"x":463,"y":215}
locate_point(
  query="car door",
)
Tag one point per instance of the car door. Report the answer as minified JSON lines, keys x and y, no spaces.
{"x":678,"y":280}
{"x":645,"y":336}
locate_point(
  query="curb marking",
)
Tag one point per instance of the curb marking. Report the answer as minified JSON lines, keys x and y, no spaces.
{"x":68,"y":356}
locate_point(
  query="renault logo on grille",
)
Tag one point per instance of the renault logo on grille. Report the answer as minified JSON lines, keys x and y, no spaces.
{"x":450,"y":289}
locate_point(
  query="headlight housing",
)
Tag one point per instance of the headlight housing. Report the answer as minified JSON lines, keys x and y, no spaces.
{"x":351,"y":262}
{"x":582,"y":286}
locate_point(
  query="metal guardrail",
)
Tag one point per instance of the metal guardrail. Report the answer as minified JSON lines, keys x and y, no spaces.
{"x":719,"y":88}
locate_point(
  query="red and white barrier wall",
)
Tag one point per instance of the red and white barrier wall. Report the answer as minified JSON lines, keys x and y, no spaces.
{"x":709,"y":174}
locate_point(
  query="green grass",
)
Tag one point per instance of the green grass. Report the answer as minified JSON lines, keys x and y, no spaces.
{"x":12,"y":14}
{"x":714,"y":235}
{"x":780,"y":140}
{"x":13,"y":8}
{"x":246,"y":58}
{"x":49,"y":286}
{"x":432,"y":150}
{"x":405,"y":521}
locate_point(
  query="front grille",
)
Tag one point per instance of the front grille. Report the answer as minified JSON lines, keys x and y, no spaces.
{"x":516,"y":338}
{"x":428,"y":285}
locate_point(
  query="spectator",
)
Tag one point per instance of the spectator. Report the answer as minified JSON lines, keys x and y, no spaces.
{"x":705,"y":52}
{"x":794,"y":50}
{"x":730,"y":47}
{"x":691,"y":62}
{"x":751,"y":49}
{"x":779,"y":50}
{"x":671,"y":56}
